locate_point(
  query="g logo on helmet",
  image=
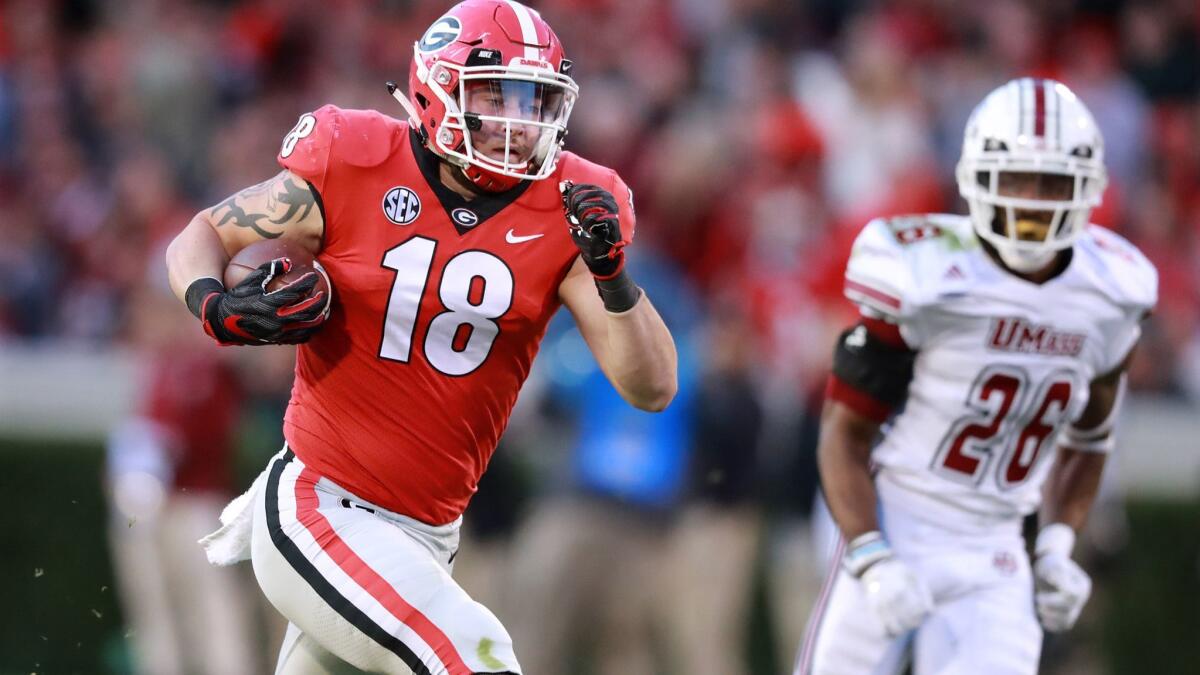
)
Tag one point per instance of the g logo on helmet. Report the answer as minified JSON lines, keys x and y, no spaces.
{"x":443,"y":31}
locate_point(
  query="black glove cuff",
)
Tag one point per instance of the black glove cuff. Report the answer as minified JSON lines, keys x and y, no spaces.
{"x":605,"y":267}
{"x":198,"y":290}
{"x":618,"y":293}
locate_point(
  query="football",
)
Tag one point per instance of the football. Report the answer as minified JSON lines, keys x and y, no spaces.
{"x":303,"y":262}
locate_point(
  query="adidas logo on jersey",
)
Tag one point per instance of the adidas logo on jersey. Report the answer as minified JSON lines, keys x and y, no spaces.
{"x":1013,"y":334}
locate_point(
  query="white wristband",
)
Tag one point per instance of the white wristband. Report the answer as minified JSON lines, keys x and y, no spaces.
{"x":1074,"y":439}
{"x":1057,"y":538}
{"x":864,"y":551}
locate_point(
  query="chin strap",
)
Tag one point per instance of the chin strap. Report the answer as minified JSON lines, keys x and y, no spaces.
{"x":488,"y":181}
{"x":394,"y":90}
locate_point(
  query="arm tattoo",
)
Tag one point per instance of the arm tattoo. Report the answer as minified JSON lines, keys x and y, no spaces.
{"x":296,"y":198}
{"x":286,"y":191}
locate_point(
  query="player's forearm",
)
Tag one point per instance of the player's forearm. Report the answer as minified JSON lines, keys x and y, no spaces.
{"x":843,"y":457}
{"x":195,"y":252}
{"x":643,"y":356}
{"x":1071,"y":487}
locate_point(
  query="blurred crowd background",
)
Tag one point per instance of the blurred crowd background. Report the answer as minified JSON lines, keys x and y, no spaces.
{"x":758,"y":137}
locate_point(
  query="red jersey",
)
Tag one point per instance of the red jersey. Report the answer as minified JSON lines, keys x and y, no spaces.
{"x":439,"y":306}
{"x":197,"y":398}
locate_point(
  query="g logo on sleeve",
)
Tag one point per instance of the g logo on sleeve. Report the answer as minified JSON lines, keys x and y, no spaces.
{"x":443,"y":31}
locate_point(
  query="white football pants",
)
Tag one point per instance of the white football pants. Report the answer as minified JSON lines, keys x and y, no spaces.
{"x":983,"y":621}
{"x":365,"y":586}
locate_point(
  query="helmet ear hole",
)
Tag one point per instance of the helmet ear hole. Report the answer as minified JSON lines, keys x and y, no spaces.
{"x":421,"y":100}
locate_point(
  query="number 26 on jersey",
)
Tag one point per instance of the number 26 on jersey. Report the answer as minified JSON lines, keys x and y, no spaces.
{"x":1006,"y":417}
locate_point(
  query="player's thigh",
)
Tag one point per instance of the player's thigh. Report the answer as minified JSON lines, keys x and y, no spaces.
{"x":363,"y":588}
{"x":300,"y":654}
{"x":845,"y":638}
{"x":990,"y":631}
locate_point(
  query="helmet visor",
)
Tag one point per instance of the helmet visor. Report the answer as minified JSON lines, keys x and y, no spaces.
{"x":512,"y":121}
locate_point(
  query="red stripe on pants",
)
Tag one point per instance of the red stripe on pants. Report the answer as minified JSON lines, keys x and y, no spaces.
{"x":307,"y":505}
{"x":814,"y":623}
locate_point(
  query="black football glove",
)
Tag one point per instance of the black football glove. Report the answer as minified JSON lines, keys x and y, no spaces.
{"x":595,"y":226}
{"x":249,"y":314}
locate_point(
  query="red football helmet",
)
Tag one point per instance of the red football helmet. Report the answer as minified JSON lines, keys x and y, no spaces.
{"x":491,"y":92}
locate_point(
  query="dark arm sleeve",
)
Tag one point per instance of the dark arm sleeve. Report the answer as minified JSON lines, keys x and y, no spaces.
{"x":871,"y":369}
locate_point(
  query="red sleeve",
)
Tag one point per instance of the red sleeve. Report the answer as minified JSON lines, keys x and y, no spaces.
{"x":862,"y":403}
{"x":884,"y":331}
{"x":307,"y":149}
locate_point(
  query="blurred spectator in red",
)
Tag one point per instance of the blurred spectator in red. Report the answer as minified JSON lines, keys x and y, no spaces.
{"x":169,"y":473}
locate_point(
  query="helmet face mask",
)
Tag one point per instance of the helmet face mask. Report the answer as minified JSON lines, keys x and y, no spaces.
{"x":1031,"y":171}
{"x":492,"y":92}
{"x":510,"y":123}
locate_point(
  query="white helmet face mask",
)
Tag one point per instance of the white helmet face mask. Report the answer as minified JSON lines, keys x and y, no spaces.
{"x":1031,"y":171}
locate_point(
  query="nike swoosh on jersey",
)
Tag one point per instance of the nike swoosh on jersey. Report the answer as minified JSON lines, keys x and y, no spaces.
{"x":512,"y":238}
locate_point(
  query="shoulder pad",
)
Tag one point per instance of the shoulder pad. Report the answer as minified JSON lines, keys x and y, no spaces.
{"x":329,"y":136}
{"x":1119,"y":269}
{"x":878,"y":276}
{"x":898,"y":261}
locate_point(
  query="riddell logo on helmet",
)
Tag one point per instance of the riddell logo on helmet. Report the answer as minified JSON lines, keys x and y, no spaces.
{"x":1012,"y":334}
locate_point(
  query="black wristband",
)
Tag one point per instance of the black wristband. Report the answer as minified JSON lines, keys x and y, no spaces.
{"x":619,"y":293}
{"x":198,"y":290}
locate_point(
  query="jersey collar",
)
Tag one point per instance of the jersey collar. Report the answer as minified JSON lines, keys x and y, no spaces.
{"x":465,"y":214}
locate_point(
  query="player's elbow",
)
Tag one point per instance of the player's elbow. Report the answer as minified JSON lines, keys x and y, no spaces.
{"x":176,"y":251}
{"x":656,"y":396}
{"x":846,"y":434}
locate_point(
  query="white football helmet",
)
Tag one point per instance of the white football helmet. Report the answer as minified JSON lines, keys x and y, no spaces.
{"x":1031,"y":126}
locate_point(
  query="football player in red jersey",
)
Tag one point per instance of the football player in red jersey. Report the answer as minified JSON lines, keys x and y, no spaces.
{"x":450,"y":238}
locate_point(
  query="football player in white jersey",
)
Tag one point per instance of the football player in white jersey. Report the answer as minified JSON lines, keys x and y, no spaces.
{"x":996,"y":345}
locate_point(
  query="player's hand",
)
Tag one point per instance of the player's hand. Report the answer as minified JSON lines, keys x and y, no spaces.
{"x":249,"y":314}
{"x":595,"y":226}
{"x":896,"y":595}
{"x":1062,"y":587}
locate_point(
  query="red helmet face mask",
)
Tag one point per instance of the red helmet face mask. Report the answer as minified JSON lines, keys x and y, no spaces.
{"x":491,"y":92}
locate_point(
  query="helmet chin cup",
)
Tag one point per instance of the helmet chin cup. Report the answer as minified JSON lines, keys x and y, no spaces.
{"x":1025,"y":261}
{"x":1020,"y":256}
{"x":490,"y":181}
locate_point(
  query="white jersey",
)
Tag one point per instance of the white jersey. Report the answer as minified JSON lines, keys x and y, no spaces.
{"x":1002,"y":364}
